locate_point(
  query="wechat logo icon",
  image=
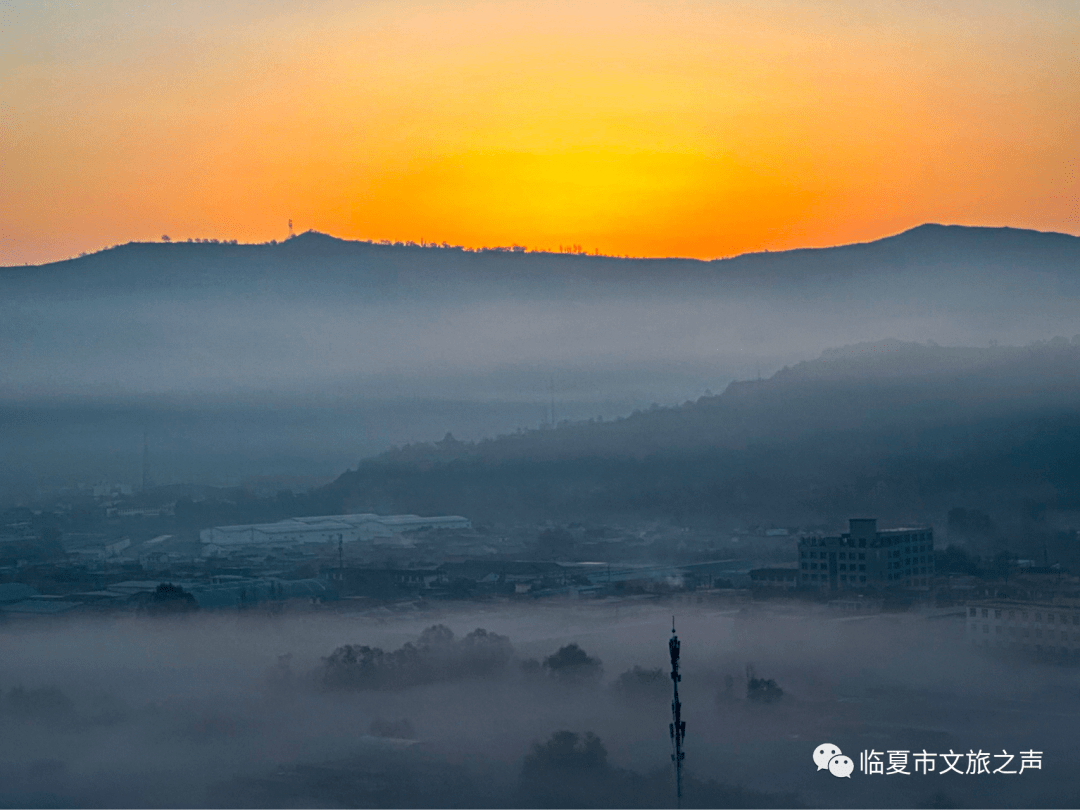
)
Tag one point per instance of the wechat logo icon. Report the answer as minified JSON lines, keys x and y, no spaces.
{"x":829,"y":757}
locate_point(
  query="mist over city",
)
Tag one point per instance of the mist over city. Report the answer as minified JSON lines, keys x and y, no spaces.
{"x":464,"y":404}
{"x":227,"y":710}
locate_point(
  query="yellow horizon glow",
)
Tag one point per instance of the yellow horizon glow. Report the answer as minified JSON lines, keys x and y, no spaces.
{"x":703,"y":128}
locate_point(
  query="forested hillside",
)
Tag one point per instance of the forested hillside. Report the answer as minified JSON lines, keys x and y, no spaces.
{"x":904,"y":431}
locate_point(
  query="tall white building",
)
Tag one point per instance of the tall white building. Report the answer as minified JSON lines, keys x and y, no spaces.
{"x":1039,"y":627}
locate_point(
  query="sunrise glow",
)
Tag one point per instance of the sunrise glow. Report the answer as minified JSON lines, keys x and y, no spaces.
{"x":694,"y":129}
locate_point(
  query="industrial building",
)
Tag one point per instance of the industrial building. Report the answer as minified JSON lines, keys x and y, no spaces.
{"x":786,"y":579}
{"x":285,"y":534}
{"x":865,"y":557}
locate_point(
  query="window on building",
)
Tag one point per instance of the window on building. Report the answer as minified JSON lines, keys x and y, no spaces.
{"x":862,"y":579}
{"x":997,"y":629}
{"x":1038,"y":617}
{"x":971,"y":611}
{"x":862,"y":568}
{"x":997,"y":614}
{"x":984,"y":612}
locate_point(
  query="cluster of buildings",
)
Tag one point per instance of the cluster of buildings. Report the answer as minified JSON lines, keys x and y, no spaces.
{"x":288,"y":534}
{"x":21,"y":600}
{"x":367,"y":559}
{"x":536,"y":578}
{"x":267,"y":565}
{"x":1033,"y":611}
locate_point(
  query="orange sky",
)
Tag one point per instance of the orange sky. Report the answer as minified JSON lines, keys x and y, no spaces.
{"x":691,"y":128}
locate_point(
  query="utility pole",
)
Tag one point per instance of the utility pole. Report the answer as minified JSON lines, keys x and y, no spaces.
{"x":677,"y":727}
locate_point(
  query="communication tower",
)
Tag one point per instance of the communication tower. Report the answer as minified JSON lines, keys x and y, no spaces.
{"x":677,"y":727}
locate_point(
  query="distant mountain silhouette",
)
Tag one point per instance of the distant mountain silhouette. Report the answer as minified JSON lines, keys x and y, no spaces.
{"x":369,"y":345}
{"x":317,"y":260}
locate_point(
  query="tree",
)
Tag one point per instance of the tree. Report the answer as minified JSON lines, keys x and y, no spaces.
{"x":638,"y":683}
{"x":566,"y":751}
{"x":435,"y":657}
{"x":571,"y":664}
{"x":169,"y":599}
{"x":762,"y":690}
{"x":569,"y":770}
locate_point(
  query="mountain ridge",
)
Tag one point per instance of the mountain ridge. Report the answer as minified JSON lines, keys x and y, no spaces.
{"x":992,"y":428}
{"x":325,"y":244}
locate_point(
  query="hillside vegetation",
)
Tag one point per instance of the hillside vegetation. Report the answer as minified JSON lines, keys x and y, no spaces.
{"x":904,"y":431}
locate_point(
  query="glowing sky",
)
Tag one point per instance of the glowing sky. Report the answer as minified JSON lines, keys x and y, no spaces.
{"x":684,"y":127}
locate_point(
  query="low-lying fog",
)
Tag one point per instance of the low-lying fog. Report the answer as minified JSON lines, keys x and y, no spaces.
{"x":240,"y":710}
